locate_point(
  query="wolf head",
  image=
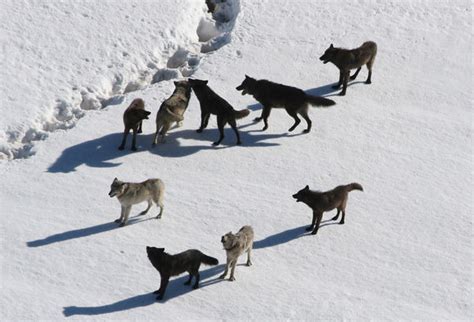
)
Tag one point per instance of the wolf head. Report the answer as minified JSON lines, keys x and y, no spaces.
{"x":302,"y":194}
{"x":328,"y":54}
{"x":247,"y":85}
{"x":136,"y":110}
{"x":142,"y":114}
{"x":154,"y":251}
{"x":155,"y":255}
{"x":117,"y":188}
{"x":228,"y":240}
{"x":197,"y":82}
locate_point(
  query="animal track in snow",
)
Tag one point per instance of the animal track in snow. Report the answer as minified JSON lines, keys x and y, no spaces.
{"x":213,"y":33}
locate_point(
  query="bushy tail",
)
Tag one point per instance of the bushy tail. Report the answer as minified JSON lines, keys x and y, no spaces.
{"x":177,"y":118}
{"x":354,"y":186}
{"x":242,"y":113}
{"x":208,"y":260}
{"x":319,"y":101}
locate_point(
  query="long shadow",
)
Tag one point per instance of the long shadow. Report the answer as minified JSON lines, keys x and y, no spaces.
{"x":99,"y":152}
{"x":175,"y":288}
{"x":328,"y":90}
{"x":79,"y":233}
{"x":281,"y":238}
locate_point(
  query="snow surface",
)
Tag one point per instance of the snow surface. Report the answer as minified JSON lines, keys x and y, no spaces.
{"x":405,"y":251}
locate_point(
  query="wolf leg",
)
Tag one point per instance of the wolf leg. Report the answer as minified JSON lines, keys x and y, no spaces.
{"x":233,"y":125}
{"x":126,"y":213}
{"x":265,"y":115}
{"x":356,"y":73}
{"x":233,"y":264}
{"x":336,"y":216}
{"x":339,"y":83}
{"x":188,"y":282}
{"x":343,"y":217}
{"x":161,"y":210}
{"x":369,"y":67}
{"x":196,"y":282}
{"x":139,"y":130}
{"x":204,"y":121}
{"x":344,"y":83}
{"x":249,"y":253}
{"x":312,"y":222}
{"x":304,"y":114}
{"x":220,"y":124}
{"x":147,"y":208}
{"x":294,"y":115}
{"x":315,"y":231}
{"x":122,"y":212}
{"x":134,"y":140}
{"x":124,"y":139}
{"x":163,"y":285}
{"x":163,"y":131}
{"x":226,"y":269}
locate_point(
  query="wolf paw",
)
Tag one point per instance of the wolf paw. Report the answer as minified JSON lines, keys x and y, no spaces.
{"x":117,"y":220}
{"x":195,"y":287}
{"x":134,"y":148}
{"x":121,"y":148}
{"x":368,"y":82}
{"x":336,"y":86}
{"x":215,"y":143}
{"x":314,"y":232}
{"x":341,"y":222}
{"x":249,"y":264}
{"x":222,"y":276}
{"x":199,"y":130}
{"x":231,"y":279}
{"x":257,"y":119}
{"x":342,"y":93}
{"x":122,"y":224}
{"x":159,"y":297}
{"x":306,"y":131}
{"x":156,"y":292}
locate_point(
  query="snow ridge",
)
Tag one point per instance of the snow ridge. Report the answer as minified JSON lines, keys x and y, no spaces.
{"x":182,"y":59}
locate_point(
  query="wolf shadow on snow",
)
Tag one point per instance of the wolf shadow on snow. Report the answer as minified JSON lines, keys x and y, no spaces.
{"x":175,"y":289}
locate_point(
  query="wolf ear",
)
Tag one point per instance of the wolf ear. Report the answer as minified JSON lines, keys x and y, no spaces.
{"x":247,"y":76}
{"x":115,"y":180}
{"x":175,"y":83}
{"x":161,"y":250}
{"x":306,"y":188}
{"x":331,"y":46}
{"x":205,"y":81}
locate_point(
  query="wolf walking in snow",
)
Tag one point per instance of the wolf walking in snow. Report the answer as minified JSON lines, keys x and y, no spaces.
{"x":171,"y":265}
{"x":211,"y":103}
{"x":235,"y":245}
{"x":321,"y":202}
{"x":128,"y":194}
{"x":347,"y":59}
{"x":132,"y":120}
{"x":172,"y":110}
{"x":294,"y":100}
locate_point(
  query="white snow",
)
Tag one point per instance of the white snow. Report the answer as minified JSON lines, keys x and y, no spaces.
{"x":69,"y":69}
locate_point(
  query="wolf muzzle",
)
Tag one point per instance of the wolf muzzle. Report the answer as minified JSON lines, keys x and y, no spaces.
{"x":112,"y":194}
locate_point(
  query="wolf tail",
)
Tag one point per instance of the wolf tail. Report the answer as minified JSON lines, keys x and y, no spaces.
{"x":319,"y":101}
{"x":178,"y":118}
{"x":208,"y":260}
{"x":242,"y":113}
{"x":354,"y":186}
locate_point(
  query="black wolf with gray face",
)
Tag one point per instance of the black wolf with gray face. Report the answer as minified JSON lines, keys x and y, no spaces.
{"x":132,"y":120}
{"x":129,"y":193}
{"x":294,"y":100}
{"x":211,"y":103}
{"x":321,"y":202}
{"x":171,"y":265}
{"x":347,"y":59}
{"x":172,"y":110}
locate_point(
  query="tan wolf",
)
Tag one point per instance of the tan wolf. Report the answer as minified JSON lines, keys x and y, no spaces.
{"x":321,"y":202}
{"x":172,"y":110}
{"x":235,"y":245}
{"x":128,"y":194}
{"x":347,"y":59}
{"x":132,"y":120}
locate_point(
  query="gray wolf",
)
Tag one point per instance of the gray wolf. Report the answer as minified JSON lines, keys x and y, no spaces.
{"x":347,"y":59}
{"x":171,"y":265}
{"x":172,"y":110}
{"x":132,"y":120}
{"x":128,"y":194}
{"x":321,"y":202}
{"x":211,"y":103}
{"x":294,"y":100}
{"x":235,"y":245}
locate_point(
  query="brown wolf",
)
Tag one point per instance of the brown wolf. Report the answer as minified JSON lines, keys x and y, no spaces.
{"x":172,"y":110}
{"x":132,"y":120}
{"x":211,"y":103}
{"x":321,"y":202}
{"x":170,"y":265}
{"x":347,"y":59}
{"x":294,"y":100}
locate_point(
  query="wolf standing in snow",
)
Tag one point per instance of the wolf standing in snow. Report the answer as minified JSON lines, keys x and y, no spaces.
{"x":132,"y":120}
{"x":347,"y":59}
{"x":128,"y":194}
{"x":235,"y":245}
{"x":294,"y":100}
{"x":170,"y":265}
{"x":211,"y":103}
{"x":321,"y":202}
{"x":172,"y":110}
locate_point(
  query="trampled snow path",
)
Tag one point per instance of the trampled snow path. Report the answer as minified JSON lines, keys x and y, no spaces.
{"x":102,"y":78}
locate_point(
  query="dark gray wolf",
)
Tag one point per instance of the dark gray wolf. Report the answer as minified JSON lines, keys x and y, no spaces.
{"x":294,"y":100}
{"x":132,"y":120}
{"x":211,"y":103}
{"x":347,"y":59}
{"x":235,"y":245}
{"x":128,"y":194}
{"x":172,"y":110}
{"x":321,"y":202}
{"x":170,"y":265}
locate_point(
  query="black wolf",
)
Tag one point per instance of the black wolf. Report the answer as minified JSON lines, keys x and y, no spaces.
{"x":211,"y":103}
{"x":171,"y":265}
{"x":321,"y":202}
{"x":347,"y":59}
{"x":294,"y":100}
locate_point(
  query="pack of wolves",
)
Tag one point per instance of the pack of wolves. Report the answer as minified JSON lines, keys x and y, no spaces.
{"x":270,"y":95}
